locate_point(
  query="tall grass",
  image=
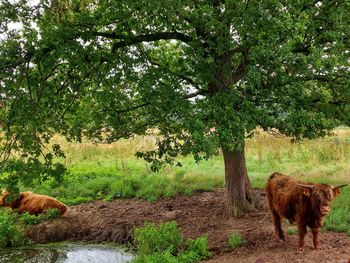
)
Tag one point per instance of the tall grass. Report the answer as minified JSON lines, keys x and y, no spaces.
{"x":107,"y":171}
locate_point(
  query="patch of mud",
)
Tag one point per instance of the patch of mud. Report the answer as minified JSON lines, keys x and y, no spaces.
{"x":197,"y":215}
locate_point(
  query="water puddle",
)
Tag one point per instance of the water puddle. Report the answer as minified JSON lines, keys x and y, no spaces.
{"x":67,"y":253}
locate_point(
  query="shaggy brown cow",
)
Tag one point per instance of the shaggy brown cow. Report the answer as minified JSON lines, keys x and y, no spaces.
{"x":32,"y":203}
{"x":303,"y":203}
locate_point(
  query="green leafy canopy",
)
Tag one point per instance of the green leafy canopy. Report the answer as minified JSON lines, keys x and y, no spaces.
{"x":204,"y":73}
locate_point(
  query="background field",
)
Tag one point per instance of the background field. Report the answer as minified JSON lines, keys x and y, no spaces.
{"x":108,"y":171}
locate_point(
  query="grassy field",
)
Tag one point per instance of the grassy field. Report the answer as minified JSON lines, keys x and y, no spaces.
{"x":108,"y":171}
{"x":111,"y":171}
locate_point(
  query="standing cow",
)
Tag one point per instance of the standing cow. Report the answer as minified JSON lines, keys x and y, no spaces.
{"x":303,"y":203}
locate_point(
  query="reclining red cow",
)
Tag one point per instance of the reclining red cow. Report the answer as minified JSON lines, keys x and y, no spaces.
{"x":32,"y":203}
{"x":300,"y":202}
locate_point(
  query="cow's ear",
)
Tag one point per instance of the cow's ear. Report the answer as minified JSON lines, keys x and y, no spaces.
{"x":336,"y":192}
{"x":336,"y":189}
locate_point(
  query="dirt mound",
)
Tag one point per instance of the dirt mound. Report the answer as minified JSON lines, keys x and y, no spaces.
{"x":197,"y":215}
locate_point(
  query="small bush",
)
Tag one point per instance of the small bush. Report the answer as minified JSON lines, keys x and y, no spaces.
{"x":165,"y":257}
{"x":164,"y":244}
{"x":236,"y":240}
{"x":151,"y":239}
{"x":11,"y":232}
{"x":197,"y":250}
{"x":28,"y":219}
{"x":53,"y":213}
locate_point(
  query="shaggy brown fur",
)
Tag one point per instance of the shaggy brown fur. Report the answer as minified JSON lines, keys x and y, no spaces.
{"x":32,"y":203}
{"x":300,"y":202}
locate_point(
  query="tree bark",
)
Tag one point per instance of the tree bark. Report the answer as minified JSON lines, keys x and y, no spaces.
{"x":240,"y":196}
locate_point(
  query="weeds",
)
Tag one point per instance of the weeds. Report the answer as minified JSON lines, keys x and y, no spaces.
{"x":13,"y":226}
{"x":11,"y":231}
{"x":28,"y":219}
{"x":164,"y":243}
{"x":236,"y":240}
{"x":151,"y":239}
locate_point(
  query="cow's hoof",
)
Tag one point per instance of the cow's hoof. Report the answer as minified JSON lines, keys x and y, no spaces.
{"x":319,"y":248}
{"x":283,"y":238}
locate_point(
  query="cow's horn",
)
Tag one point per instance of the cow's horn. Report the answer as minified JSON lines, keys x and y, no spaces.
{"x":339,"y":186}
{"x":307,"y":186}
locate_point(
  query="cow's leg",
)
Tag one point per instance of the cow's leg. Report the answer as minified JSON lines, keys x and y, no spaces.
{"x":302,"y":233}
{"x":315,"y":233}
{"x":277,"y":222}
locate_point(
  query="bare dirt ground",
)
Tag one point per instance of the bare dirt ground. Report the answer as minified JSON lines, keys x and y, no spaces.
{"x":197,"y":215}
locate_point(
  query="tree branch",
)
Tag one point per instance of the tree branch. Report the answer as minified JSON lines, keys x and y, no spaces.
{"x":241,"y":69}
{"x":194,"y":94}
{"x":178,"y":75}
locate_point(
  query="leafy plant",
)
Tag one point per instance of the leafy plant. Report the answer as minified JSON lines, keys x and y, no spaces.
{"x":197,"y":250}
{"x":28,"y":219}
{"x":11,"y":232}
{"x":236,"y":240}
{"x":164,"y":243}
{"x":52,"y":213}
{"x":151,"y":239}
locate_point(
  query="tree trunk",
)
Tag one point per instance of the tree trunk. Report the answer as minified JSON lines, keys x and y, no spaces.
{"x":240,"y":196}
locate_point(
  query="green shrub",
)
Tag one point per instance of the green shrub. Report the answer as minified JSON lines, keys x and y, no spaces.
{"x":197,"y":250}
{"x":164,"y":257}
{"x":28,"y":219}
{"x":11,"y":232}
{"x":151,"y":239}
{"x":164,"y":244}
{"x":53,"y":213}
{"x":236,"y":240}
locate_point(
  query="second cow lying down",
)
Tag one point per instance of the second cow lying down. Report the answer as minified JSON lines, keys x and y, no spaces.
{"x":304,"y":203}
{"x":32,"y":203}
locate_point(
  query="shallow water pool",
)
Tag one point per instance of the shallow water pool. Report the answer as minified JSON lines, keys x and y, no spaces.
{"x":67,"y":253}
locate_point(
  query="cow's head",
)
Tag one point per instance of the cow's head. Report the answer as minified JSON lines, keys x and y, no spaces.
{"x":321,"y":196}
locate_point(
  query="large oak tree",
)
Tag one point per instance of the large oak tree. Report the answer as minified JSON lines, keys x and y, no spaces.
{"x":205,"y":73}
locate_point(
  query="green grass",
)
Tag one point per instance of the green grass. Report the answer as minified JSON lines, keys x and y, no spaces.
{"x":236,"y":240}
{"x":291,"y":231}
{"x":111,"y":171}
{"x":339,"y":218}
